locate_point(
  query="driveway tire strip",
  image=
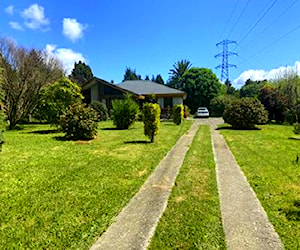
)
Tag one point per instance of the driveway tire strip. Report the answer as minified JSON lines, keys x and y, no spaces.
{"x":136,"y":223}
{"x":245,"y":222}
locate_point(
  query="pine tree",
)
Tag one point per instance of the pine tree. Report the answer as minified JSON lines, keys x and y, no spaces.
{"x":81,"y":73}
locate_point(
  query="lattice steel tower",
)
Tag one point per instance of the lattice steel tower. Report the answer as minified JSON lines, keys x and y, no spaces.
{"x":225,"y":65}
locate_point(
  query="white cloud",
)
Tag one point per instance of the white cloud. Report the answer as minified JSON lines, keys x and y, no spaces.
{"x":264,"y":74}
{"x":16,"y":26}
{"x":9,"y":10}
{"x":34,"y":17}
{"x":72,"y":29}
{"x":67,"y":56}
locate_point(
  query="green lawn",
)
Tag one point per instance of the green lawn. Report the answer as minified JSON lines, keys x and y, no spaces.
{"x":192,"y":219}
{"x":58,"y":194}
{"x":267,"y":157}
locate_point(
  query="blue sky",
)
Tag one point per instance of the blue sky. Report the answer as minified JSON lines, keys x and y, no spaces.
{"x":150,"y":36}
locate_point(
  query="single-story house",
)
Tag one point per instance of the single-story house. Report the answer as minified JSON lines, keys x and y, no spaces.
{"x":100,"y":90}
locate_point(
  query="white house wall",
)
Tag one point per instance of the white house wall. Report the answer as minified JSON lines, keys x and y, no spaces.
{"x":177,"y":100}
{"x":95,"y":93}
{"x":160,"y":101}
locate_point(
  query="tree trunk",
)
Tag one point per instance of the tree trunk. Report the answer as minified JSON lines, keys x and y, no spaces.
{"x":152,"y":138}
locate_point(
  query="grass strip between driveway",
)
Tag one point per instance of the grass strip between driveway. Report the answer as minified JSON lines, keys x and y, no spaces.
{"x":268,"y":159}
{"x":192,"y":219}
{"x":58,"y":194}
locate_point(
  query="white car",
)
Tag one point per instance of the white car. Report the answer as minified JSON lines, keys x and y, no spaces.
{"x":202,"y":112}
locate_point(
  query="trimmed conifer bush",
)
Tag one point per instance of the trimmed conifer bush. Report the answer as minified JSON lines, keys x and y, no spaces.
{"x":178,"y":113}
{"x":151,"y":118}
{"x":101,"y":109}
{"x":124,"y":112}
{"x":296,"y":129}
{"x":79,"y":122}
{"x":245,"y":113}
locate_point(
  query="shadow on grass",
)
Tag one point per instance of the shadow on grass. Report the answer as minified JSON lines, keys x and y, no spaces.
{"x":112,"y":129}
{"x":293,"y":211}
{"x":294,"y":138}
{"x":45,"y":132}
{"x":61,"y":138}
{"x":137,"y":142}
{"x":78,"y":141}
{"x":242,"y":129}
{"x":118,"y":129}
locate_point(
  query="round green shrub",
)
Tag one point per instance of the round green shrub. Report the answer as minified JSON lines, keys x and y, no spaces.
{"x":79,"y":122}
{"x":151,"y":118}
{"x":178,"y":114}
{"x":245,"y":113}
{"x":124,"y":112}
{"x":56,"y":98}
{"x":101,"y":109}
{"x":296,"y":129}
{"x":218,"y":104}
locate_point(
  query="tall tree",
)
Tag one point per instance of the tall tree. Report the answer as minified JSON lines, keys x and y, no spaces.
{"x":201,"y":86}
{"x":289,"y":85}
{"x":176,"y":74}
{"x":230,"y":90}
{"x":130,"y":74}
{"x":81,"y":73}
{"x":56,"y":98}
{"x":251,"y":89}
{"x":25,"y":72}
{"x":147,"y":78}
{"x":159,"y":79}
{"x":274,"y":102}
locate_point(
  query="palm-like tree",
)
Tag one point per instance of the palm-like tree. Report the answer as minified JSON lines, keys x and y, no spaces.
{"x":176,"y":74}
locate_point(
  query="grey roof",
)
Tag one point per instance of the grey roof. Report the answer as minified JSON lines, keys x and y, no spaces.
{"x":148,"y":87}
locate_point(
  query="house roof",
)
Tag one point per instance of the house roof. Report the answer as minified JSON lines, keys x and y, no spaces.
{"x":141,"y":87}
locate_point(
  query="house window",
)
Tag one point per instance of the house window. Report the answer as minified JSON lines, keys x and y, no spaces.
{"x":168,"y":102}
{"x":111,"y":91}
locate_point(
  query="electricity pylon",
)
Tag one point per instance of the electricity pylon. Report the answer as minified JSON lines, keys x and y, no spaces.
{"x":225,"y":65}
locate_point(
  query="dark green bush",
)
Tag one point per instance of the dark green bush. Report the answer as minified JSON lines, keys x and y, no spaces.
{"x":79,"y":122}
{"x":186,"y":111}
{"x":245,"y":113}
{"x":55,"y":100}
{"x":296,"y":128}
{"x":218,"y":104}
{"x":101,"y":109}
{"x":178,"y":114}
{"x":151,"y":118}
{"x":124,"y":112}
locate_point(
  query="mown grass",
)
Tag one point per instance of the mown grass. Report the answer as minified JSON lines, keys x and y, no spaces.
{"x":192,"y":219}
{"x":58,"y":194}
{"x":268,"y":159}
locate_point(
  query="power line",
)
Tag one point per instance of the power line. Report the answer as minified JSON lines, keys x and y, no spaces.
{"x":229,"y":18}
{"x":239,"y":18}
{"x":225,"y":54}
{"x":258,"y":21}
{"x":275,"y":20}
{"x":277,"y":40}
